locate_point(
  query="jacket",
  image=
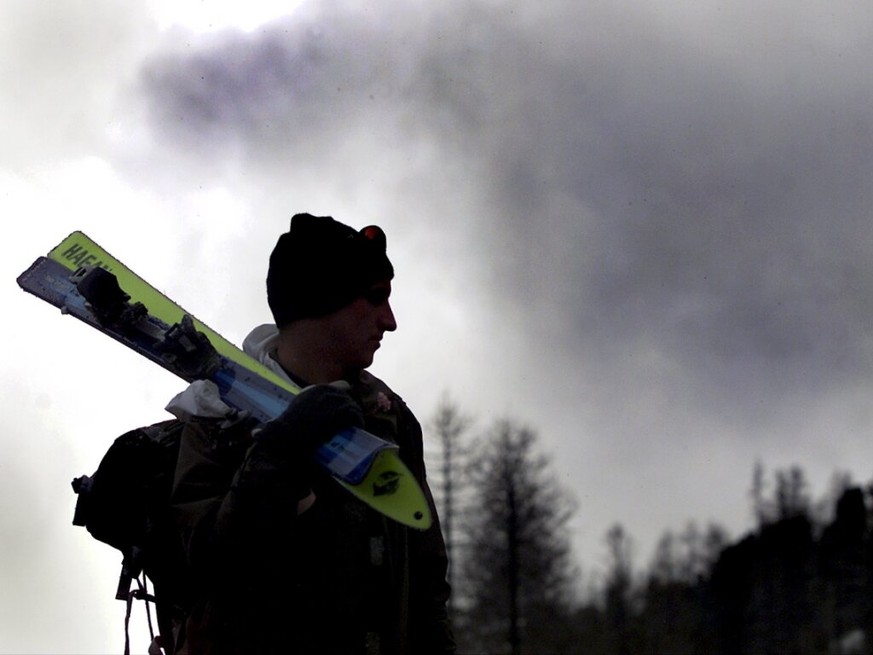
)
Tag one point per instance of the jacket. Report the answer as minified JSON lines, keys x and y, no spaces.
{"x":335,"y":579}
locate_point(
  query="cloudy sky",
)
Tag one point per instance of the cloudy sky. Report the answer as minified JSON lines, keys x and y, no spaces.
{"x":641,"y":228}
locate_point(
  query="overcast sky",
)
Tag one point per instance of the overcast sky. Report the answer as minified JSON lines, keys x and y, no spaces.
{"x":641,"y":228}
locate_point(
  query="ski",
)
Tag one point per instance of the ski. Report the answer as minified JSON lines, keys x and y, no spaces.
{"x":83,"y":280}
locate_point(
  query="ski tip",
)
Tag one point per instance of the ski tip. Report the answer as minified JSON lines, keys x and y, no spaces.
{"x":391,"y":489}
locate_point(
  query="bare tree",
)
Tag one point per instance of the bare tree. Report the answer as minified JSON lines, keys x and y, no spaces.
{"x":449,"y":425}
{"x":790,"y":495}
{"x":519,"y":568}
{"x":617,"y":593}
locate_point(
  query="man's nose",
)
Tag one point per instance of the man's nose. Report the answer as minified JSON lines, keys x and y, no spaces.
{"x":386,"y":318}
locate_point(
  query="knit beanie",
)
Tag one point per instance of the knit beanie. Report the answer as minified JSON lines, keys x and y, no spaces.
{"x":321,"y":265}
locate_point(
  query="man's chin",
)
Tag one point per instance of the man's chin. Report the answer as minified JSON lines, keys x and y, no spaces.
{"x":360,"y":365}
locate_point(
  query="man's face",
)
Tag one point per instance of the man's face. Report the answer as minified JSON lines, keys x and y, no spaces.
{"x":355,"y":332}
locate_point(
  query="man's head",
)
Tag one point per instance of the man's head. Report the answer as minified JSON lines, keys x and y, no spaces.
{"x":321,"y":265}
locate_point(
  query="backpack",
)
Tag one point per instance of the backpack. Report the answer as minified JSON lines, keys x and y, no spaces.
{"x":125,"y":504}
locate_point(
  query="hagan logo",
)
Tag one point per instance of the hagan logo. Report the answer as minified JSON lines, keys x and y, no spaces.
{"x":80,"y":256}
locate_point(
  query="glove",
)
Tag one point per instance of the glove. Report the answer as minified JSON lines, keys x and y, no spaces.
{"x":278,"y":471}
{"x":313,"y":417}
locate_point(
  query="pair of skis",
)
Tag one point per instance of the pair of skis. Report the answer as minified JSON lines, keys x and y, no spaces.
{"x":83,"y":280}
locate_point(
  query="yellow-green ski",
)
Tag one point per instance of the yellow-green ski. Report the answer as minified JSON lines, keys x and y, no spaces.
{"x":122,"y":305}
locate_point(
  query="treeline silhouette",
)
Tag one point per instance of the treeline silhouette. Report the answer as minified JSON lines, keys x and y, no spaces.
{"x":799,"y":582}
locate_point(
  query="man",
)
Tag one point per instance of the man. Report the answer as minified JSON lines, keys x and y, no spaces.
{"x":284,"y":559}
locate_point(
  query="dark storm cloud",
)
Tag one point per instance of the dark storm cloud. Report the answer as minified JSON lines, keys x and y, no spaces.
{"x":301,"y":85}
{"x":648,"y":188}
{"x":742,"y":232}
{"x":717,"y":211}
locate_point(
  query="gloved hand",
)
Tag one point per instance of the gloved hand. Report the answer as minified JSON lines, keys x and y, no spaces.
{"x":277,"y":473}
{"x":313,"y":417}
